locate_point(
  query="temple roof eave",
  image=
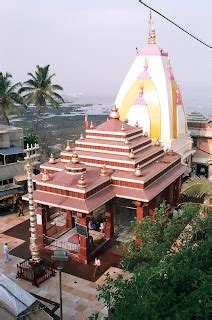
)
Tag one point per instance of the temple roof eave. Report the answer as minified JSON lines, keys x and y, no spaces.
{"x":108,"y":193}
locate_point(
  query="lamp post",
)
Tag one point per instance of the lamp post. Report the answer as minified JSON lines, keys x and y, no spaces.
{"x":60,"y":255}
{"x":30,"y":156}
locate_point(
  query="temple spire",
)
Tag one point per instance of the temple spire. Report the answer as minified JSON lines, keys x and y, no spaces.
{"x":152,"y":34}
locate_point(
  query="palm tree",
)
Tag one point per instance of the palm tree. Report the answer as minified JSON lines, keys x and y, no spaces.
{"x":10,"y":99}
{"x":40,"y":91}
{"x":198,"y":187}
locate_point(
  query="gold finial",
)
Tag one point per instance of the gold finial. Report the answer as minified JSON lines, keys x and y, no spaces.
{"x":152,"y":34}
{"x":157,"y":143}
{"x":52,"y":159}
{"x":91,"y":125}
{"x":114,"y":114}
{"x":103,"y":171}
{"x":137,"y":171}
{"x":131,"y":154}
{"x":136,"y":124}
{"x":81,"y":182}
{"x":82,"y":137}
{"x":68,"y":147}
{"x":75,"y":158}
{"x":126,"y":141}
{"x":45,"y":176}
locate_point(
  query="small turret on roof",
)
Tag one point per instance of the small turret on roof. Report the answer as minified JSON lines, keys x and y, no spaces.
{"x":52,"y":159}
{"x":114,"y":114}
{"x":68,"y":147}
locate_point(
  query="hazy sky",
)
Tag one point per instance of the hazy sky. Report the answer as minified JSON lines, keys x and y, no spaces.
{"x":90,"y":44}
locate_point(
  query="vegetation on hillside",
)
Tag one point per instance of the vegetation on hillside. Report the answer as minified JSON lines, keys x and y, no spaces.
{"x":170,"y":279}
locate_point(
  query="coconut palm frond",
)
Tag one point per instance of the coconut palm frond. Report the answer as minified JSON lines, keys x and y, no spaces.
{"x":10,"y":96}
{"x":197,"y":187}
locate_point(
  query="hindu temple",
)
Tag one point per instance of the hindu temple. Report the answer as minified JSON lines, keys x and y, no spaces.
{"x":139,"y":155}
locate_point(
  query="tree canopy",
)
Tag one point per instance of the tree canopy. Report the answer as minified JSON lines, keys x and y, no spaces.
{"x":40,"y":91}
{"x":10,"y":98}
{"x":168,"y":282}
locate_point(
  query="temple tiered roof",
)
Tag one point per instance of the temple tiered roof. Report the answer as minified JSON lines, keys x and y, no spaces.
{"x":112,"y":160}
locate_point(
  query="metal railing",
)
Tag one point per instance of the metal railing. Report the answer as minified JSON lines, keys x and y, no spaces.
{"x":62,"y":244}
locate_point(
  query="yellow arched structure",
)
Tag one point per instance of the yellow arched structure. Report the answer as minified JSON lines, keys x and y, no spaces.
{"x":152,"y":101}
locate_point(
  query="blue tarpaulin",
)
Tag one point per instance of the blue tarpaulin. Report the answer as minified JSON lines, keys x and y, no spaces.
{"x":11,"y":150}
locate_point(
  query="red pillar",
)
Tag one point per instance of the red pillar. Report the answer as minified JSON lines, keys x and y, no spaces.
{"x":84,"y":244}
{"x":139,"y":210}
{"x":109,"y":228}
{"x":41,"y":225}
{"x":152,"y":206}
{"x":69,"y":219}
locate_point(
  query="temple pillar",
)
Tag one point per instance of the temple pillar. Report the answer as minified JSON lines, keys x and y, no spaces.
{"x":152,"y":206}
{"x":176,"y":192}
{"x":41,"y":214}
{"x":69,"y":223}
{"x":109,"y":227}
{"x":139,"y":210}
{"x":168,"y":195}
{"x":84,"y":241}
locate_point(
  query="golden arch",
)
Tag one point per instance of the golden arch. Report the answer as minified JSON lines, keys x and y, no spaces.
{"x":153,"y":104}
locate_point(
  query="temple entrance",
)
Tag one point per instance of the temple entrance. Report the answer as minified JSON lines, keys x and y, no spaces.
{"x":124,"y":213}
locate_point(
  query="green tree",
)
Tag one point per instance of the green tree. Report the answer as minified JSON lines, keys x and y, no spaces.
{"x":199,"y":187}
{"x":10,"y":99}
{"x":177,"y":287}
{"x":157,"y":237}
{"x":30,"y":138}
{"x":40,"y":91}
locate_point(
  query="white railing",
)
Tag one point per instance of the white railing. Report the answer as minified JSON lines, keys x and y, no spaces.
{"x":62,"y":244}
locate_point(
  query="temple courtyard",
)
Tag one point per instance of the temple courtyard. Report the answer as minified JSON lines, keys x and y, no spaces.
{"x":79,"y":293}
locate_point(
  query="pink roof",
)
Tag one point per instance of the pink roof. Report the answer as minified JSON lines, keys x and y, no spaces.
{"x":64,"y":179}
{"x":58,"y":165}
{"x":152,"y":50}
{"x":149,"y":171}
{"x":153,"y":189}
{"x":140,"y":155}
{"x":113,"y":143}
{"x":88,"y":205}
{"x":113,"y":125}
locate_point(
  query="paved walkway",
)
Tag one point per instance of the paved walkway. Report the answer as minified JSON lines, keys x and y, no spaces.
{"x":79,"y":295}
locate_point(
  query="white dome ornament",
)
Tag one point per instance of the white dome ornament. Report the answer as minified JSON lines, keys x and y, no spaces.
{"x":138,"y":172}
{"x":52,"y":159}
{"x":68,"y":147}
{"x":103,"y":171}
{"x":81,"y":182}
{"x":75,"y":158}
{"x":45,"y":176}
{"x":131,"y":154}
{"x":114,"y":114}
{"x":82,"y":137}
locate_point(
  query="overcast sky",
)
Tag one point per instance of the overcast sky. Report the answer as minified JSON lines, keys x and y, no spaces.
{"x":90,"y":45}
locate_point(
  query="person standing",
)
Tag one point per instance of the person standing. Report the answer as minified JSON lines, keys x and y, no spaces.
{"x":20,"y":208}
{"x":97,"y":264}
{"x":6,"y":252}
